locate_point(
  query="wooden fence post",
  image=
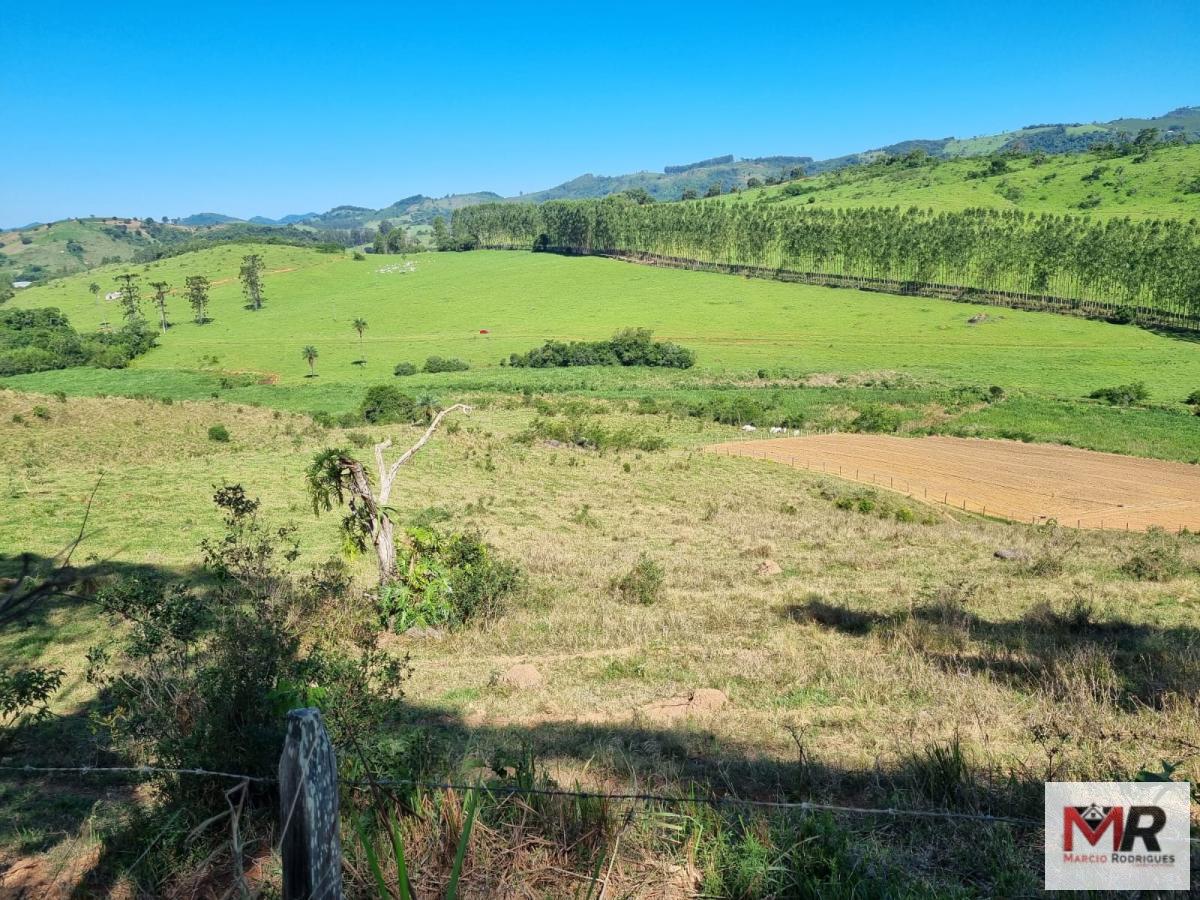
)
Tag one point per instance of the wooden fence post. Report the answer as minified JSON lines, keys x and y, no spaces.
{"x":308,"y":811}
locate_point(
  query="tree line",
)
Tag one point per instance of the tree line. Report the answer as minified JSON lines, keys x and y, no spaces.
{"x":1154,"y":265}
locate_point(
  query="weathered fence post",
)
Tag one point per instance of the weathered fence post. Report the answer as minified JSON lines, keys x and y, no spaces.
{"x":308,"y":811}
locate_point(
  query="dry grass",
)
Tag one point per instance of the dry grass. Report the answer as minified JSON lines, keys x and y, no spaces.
{"x":879,"y":640}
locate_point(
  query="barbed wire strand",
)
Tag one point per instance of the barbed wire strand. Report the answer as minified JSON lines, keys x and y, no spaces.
{"x":801,"y":805}
{"x":544,"y":792}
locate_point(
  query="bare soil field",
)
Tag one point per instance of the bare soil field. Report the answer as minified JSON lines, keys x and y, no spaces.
{"x":1014,"y":480}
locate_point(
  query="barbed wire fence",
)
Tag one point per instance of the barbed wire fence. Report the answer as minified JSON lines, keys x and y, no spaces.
{"x":309,"y":801}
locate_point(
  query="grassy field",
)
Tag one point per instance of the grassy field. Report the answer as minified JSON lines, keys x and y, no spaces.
{"x":736,"y":326}
{"x":881,"y":642}
{"x":889,"y":660}
{"x":801,"y":347}
{"x":1153,"y":189}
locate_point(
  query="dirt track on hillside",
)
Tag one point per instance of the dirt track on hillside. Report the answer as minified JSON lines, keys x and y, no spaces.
{"x":1023,"y":482}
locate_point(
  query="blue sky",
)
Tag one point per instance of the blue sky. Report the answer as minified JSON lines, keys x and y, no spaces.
{"x":271,"y":108}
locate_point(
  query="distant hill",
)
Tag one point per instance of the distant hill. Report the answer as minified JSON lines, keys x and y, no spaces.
{"x":284,"y":220}
{"x":673,"y":181}
{"x":1049,"y":138}
{"x":39,"y":252}
{"x":1166,"y":185}
{"x":207,"y":218}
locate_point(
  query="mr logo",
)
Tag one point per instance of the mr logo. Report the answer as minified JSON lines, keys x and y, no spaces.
{"x":1117,"y":836}
{"x":1142,"y":823}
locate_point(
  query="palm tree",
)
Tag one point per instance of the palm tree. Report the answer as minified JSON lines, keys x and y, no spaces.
{"x":359,"y":325}
{"x":310,"y":356}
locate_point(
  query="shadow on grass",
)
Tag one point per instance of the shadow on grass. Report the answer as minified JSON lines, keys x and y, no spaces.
{"x":1054,"y":650}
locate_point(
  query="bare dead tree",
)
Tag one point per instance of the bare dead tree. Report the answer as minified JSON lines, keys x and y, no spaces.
{"x":335,"y":475}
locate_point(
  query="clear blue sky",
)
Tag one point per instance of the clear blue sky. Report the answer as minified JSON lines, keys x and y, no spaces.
{"x":132,"y":108}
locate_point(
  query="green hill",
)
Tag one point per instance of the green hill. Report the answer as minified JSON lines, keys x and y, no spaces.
{"x":72,"y":245}
{"x":1165,"y":186}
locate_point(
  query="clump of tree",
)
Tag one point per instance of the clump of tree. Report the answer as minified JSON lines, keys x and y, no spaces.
{"x":387,"y":405}
{"x":37,"y":340}
{"x":436,"y":364}
{"x":629,"y":347}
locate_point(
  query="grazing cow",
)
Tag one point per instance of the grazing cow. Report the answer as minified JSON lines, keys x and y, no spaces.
{"x":749,"y":428}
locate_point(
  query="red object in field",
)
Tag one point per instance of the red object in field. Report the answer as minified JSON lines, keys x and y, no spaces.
{"x":483,"y":331}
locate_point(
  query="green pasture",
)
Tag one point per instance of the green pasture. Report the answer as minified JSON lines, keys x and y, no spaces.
{"x":736,"y":326}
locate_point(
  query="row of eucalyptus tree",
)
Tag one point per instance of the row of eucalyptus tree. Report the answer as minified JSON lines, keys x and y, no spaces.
{"x":1152,"y":264}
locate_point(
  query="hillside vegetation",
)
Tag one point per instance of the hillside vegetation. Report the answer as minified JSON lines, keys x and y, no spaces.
{"x":1166,"y":186}
{"x":41,"y":252}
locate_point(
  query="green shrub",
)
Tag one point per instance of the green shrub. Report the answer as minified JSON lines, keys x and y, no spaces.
{"x":25,"y":699}
{"x":440,"y":364}
{"x":218,"y":433}
{"x":203,"y":675}
{"x":628,"y":347}
{"x":387,"y":405}
{"x":1158,"y":559}
{"x":40,"y":412}
{"x":404,"y":368}
{"x":877,"y":418}
{"x":1193,"y":399}
{"x":641,"y":584}
{"x":1122,"y":394}
{"x":447,"y":580}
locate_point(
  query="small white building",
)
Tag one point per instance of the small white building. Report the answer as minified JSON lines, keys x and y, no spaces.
{"x":113,"y":295}
{"x":21,"y":284}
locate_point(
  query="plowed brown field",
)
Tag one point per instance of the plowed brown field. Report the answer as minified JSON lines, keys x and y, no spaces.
{"x":1024,"y":482}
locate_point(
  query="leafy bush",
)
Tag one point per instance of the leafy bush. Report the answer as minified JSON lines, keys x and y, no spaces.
{"x":446,"y":581}
{"x":404,"y":368}
{"x":641,"y":584}
{"x":1193,"y":399}
{"x":1122,"y":394}
{"x":1158,"y":559}
{"x":629,"y":347}
{"x":1122,"y":315}
{"x":877,"y":418}
{"x":218,"y":433}
{"x":387,"y":405}
{"x":25,"y":699}
{"x":202,"y":677}
{"x":440,"y":364}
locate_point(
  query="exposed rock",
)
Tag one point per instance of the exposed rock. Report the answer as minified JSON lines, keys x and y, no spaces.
{"x":1013,"y":553}
{"x":768,"y":567}
{"x":521,"y":677}
{"x":977,"y":318}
